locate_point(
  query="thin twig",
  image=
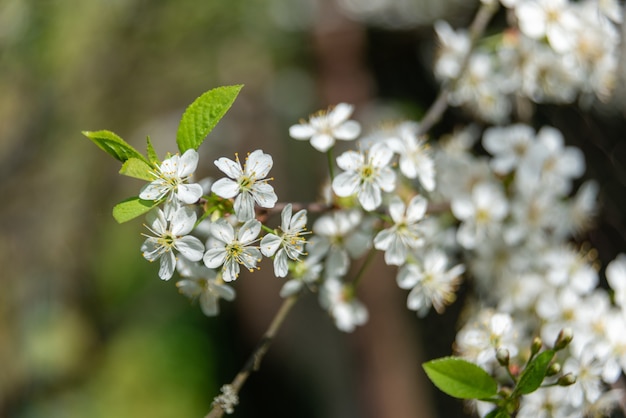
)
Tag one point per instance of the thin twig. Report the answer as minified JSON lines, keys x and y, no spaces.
{"x":440,"y":105}
{"x":254,"y":361}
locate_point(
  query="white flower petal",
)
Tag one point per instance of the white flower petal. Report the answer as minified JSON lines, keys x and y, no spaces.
{"x":223,"y":231}
{"x":150,"y":249}
{"x":340,"y":113}
{"x":396,"y":254}
{"x":280,"y":264}
{"x":153,"y":191}
{"x":298,"y":221}
{"x":214,"y":257}
{"x":416,"y":209}
{"x":230,"y":271}
{"x":183,"y":221}
{"x":190,"y":247}
{"x":346,"y":184}
{"x":189,"y":193}
{"x":258,"y":164}
{"x":188,"y":163}
{"x":225,"y":188}
{"x":285,"y":217}
{"x":380,"y":155}
{"x":270,"y":244}
{"x":322,"y":142}
{"x":369,"y":196}
{"x":168,"y":263}
{"x":290,"y":288}
{"x":382,"y":240}
{"x":408,"y":276}
{"x":350,"y":160}
{"x":347,"y":131}
{"x":249,"y":231}
{"x":229,"y":167}
{"x":209,"y":304}
{"x":301,"y":132}
{"x":224,"y":291}
{"x":244,"y":206}
{"x":264,"y":195}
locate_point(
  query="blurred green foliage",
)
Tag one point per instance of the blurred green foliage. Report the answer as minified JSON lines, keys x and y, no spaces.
{"x":86,"y":327}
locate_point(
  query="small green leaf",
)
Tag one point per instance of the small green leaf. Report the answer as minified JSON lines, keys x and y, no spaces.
{"x":533,"y":375}
{"x":113,"y":145}
{"x":139,"y":169}
{"x":132,"y":208}
{"x":460,"y":378}
{"x":203,"y":114}
{"x":498,"y":413}
{"x":152,"y":155}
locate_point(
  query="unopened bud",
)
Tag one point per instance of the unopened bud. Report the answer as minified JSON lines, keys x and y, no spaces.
{"x":566,"y":380}
{"x":564,"y":338}
{"x":553,"y":369}
{"x":505,"y":392}
{"x":536,"y":346}
{"x":502,"y":355}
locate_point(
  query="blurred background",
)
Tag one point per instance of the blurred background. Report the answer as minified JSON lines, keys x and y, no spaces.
{"x":86,"y":327}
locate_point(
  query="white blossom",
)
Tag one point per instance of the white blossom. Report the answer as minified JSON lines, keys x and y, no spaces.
{"x":202,"y":283}
{"x":479,"y":339}
{"x":337,"y":237}
{"x":405,"y":233}
{"x":228,"y":250}
{"x":453,"y":46}
{"x":306,"y":273}
{"x":588,"y":371}
{"x":247,"y":185}
{"x":508,"y":145}
{"x":325,"y":127}
{"x":366,"y":174}
{"x":339,"y":299}
{"x":431,"y":283}
{"x":415,"y":160}
{"x":171,"y":177}
{"x":169,"y":235}
{"x":553,"y":19}
{"x":290,"y":244}
{"x":481,"y":214}
{"x":549,"y":164}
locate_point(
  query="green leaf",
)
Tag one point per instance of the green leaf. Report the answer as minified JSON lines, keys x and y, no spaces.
{"x":132,"y":208}
{"x":460,"y":378}
{"x":203,"y":114}
{"x":114,"y":145}
{"x":534,"y":373}
{"x":498,"y":413}
{"x":139,"y":169}
{"x":152,"y":155}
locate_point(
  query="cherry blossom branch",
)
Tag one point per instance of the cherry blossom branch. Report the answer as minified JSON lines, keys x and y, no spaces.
{"x":476,"y":30}
{"x":433,"y":115}
{"x":254,"y":361}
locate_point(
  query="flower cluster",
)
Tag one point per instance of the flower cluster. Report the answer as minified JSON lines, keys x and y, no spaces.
{"x":505,"y":217}
{"x":554,"y":51}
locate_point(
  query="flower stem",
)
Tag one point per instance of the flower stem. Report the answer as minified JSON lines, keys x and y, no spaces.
{"x":254,"y":361}
{"x":331,"y":165}
{"x":368,"y":260}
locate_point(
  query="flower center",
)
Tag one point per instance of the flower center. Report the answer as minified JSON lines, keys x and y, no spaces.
{"x":166,"y":241}
{"x":245,"y":183}
{"x":234,"y":250}
{"x":367,"y":173}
